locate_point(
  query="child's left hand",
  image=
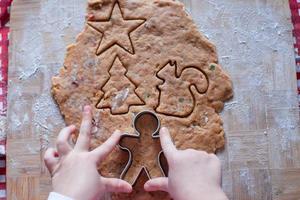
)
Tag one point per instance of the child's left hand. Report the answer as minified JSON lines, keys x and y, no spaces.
{"x":74,"y":170}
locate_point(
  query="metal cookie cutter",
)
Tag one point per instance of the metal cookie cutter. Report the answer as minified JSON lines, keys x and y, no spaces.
{"x":155,"y":135}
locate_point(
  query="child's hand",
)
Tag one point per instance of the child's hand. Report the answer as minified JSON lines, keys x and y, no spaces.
{"x":74,"y":170}
{"x":192,"y":174}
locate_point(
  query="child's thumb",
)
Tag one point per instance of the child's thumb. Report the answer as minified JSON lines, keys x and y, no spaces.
{"x":157,"y":184}
{"x":116,"y":185}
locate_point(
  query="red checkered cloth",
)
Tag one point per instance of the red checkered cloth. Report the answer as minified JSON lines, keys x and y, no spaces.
{"x":4,"y":39}
{"x":295,"y":9}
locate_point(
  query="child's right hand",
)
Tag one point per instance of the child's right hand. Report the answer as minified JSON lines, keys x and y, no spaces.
{"x":192,"y":174}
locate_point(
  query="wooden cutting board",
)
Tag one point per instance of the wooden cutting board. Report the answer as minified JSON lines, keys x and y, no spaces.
{"x":261,"y":159}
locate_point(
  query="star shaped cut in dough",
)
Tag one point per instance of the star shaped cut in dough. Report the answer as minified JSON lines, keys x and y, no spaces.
{"x":116,"y":30}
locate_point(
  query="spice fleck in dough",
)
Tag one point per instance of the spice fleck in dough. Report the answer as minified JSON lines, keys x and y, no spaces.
{"x":136,"y":55}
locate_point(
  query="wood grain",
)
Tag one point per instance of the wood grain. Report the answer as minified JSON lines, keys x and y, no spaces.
{"x":261,"y":159}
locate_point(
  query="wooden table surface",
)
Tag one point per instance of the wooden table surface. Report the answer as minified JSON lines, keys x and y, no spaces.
{"x":261,"y":159}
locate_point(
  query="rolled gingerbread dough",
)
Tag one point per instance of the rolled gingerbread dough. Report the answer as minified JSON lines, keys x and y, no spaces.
{"x":136,"y":55}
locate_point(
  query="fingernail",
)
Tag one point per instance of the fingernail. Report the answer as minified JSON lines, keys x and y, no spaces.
{"x":129,"y":189}
{"x":72,"y":126}
{"x":87,"y":108}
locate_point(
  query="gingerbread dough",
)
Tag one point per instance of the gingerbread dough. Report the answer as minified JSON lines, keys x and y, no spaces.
{"x":136,"y":55}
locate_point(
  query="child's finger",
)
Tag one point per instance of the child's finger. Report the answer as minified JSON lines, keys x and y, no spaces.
{"x":102,"y":151}
{"x":116,"y":185}
{"x":166,"y":143}
{"x":50,"y":160}
{"x":62,"y":143}
{"x":157,"y":184}
{"x":83,"y":141}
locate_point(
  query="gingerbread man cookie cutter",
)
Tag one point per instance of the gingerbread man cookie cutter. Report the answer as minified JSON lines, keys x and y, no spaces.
{"x":155,"y":135}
